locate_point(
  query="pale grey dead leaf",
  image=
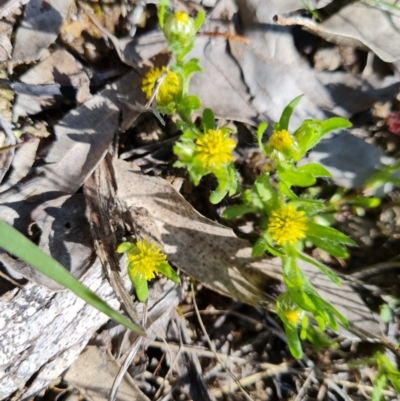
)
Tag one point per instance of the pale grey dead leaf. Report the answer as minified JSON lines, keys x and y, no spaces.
{"x":8,"y":6}
{"x":93,"y":374}
{"x":351,"y":26}
{"x":83,"y":137}
{"x":39,"y":29}
{"x":61,"y":68}
{"x":22,"y":163}
{"x":7,"y":139}
{"x":220,"y":85}
{"x":349,"y":159}
{"x":212,"y":254}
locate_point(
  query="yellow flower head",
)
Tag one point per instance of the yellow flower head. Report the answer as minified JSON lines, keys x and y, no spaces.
{"x":182,"y":17}
{"x":280,"y":140}
{"x":214,"y":149}
{"x":169,"y":90}
{"x":290,"y":309}
{"x":144,"y":259}
{"x":287,"y":225}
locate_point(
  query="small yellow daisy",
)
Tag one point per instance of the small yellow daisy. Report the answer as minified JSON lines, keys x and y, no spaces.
{"x":169,"y":90}
{"x":280,"y":140}
{"x":287,"y":225}
{"x":214,"y":149}
{"x":144,"y":259}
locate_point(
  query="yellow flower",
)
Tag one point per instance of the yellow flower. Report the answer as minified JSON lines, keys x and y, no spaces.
{"x":169,"y":90}
{"x":182,"y":17}
{"x":289,"y":308}
{"x":280,"y":140}
{"x":293,"y":315}
{"x":287,"y":225}
{"x":214,"y":149}
{"x":144,"y":259}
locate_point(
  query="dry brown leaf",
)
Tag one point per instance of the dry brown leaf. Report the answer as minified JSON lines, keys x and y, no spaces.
{"x":41,"y":23}
{"x":61,"y":68}
{"x":351,"y":26}
{"x":93,"y":374}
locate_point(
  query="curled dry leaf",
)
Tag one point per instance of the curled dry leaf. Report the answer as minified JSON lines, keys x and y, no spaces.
{"x":351,"y":26}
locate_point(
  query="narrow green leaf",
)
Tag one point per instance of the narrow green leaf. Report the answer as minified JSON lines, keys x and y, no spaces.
{"x":329,"y":233}
{"x":124,"y":247}
{"x":287,"y":113}
{"x":163,"y":12}
{"x":293,"y":340}
{"x":169,"y":272}
{"x":365,"y":202}
{"x":315,"y":169}
{"x":334,"y":124}
{"x":259,"y":134}
{"x":198,"y":22}
{"x":296,"y":177}
{"x":208,"y":119}
{"x":333,"y":248}
{"x":18,"y":245}
{"x":141,"y":287}
{"x":328,"y":272}
{"x":234,"y":211}
{"x":379,"y":385}
{"x":264,"y":243}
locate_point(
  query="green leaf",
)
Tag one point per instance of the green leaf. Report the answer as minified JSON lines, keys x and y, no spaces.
{"x":141,"y":287}
{"x":163,"y":12}
{"x":198,"y":22}
{"x":218,"y":195}
{"x":208,"y":119}
{"x":190,"y":103}
{"x":263,"y":195}
{"x":329,"y":233}
{"x":293,"y":340}
{"x":14,"y":242}
{"x":371,"y":202}
{"x":124,"y":247}
{"x":191,"y":67}
{"x":315,"y":169}
{"x":259,"y":134}
{"x":169,"y":272}
{"x":379,"y":385}
{"x":234,"y":211}
{"x":329,"y":273}
{"x":334,"y":124}
{"x":292,"y":176}
{"x":307,"y":136}
{"x":332,"y":248}
{"x":287,"y":113}
{"x":264,"y":243}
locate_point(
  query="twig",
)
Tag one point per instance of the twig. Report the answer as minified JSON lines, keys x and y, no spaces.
{"x":304,"y":387}
{"x":247,"y":381}
{"x":192,"y":350}
{"x":212,"y":347}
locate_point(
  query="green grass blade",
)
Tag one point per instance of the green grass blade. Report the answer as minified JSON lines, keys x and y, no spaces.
{"x":18,"y":245}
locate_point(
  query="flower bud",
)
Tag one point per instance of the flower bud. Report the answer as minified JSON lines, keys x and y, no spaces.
{"x":180,"y":29}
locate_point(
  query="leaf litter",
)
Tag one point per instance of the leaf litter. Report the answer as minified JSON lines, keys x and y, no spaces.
{"x":243,"y":81}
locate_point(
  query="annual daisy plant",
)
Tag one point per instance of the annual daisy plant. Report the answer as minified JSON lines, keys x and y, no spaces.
{"x":288,"y":221}
{"x":145,"y":261}
{"x":203,"y":148}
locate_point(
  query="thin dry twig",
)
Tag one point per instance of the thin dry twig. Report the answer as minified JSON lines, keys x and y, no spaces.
{"x":212,"y":347}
